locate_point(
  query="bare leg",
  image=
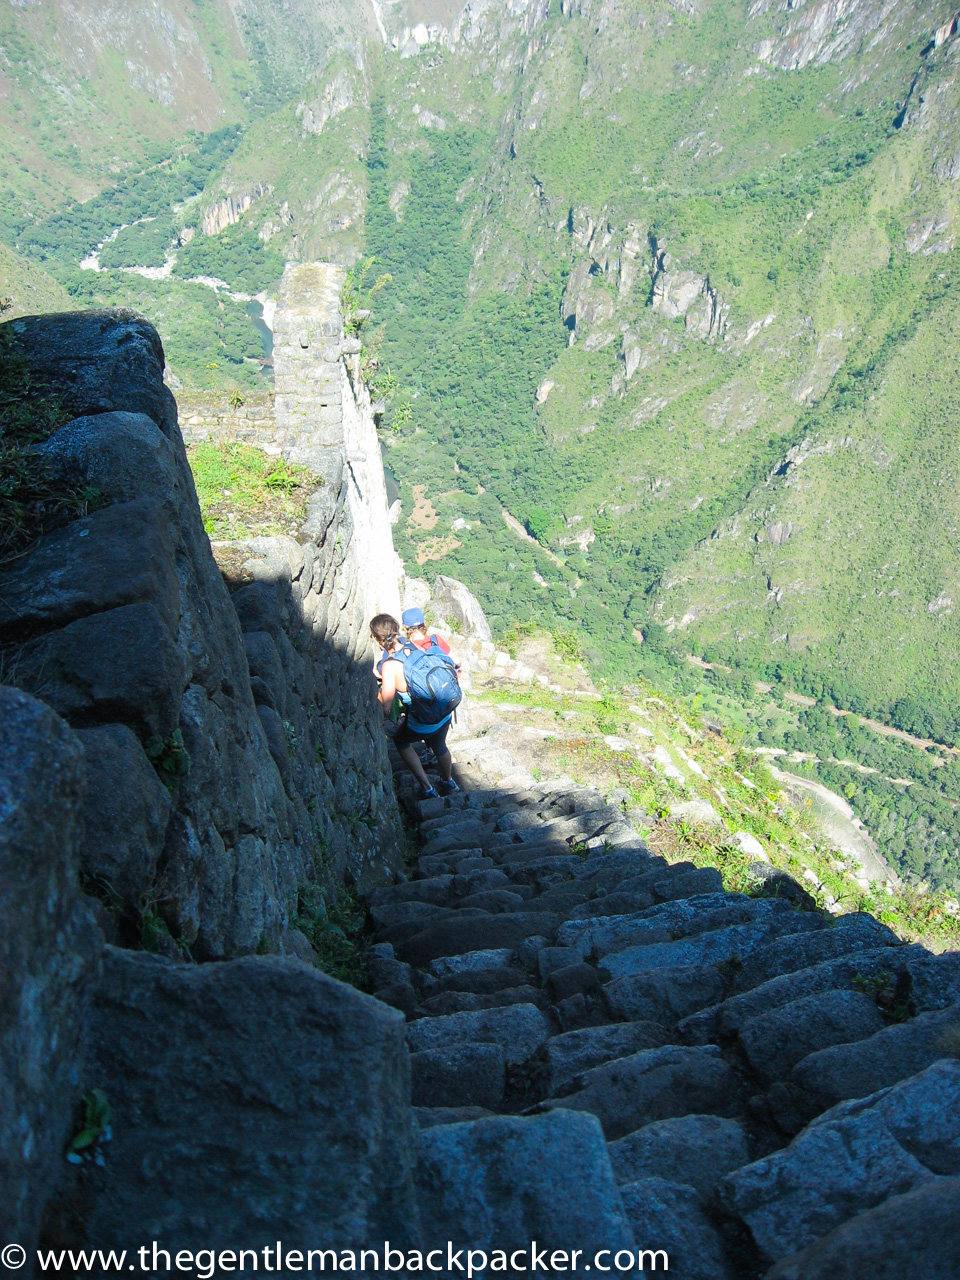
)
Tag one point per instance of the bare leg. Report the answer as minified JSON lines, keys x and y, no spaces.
{"x":412,"y":761}
{"x":446,"y":765}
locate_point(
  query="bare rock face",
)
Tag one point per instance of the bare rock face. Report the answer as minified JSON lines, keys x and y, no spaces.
{"x":456,"y":603}
{"x":686,"y":293}
{"x":230,"y":209}
{"x":48,"y":953}
{"x":250,"y":1099}
{"x":828,"y":31}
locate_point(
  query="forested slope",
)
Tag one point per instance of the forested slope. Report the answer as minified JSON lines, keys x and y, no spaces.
{"x":671,"y":285}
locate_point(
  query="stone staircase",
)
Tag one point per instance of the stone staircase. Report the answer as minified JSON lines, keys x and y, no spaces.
{"x":779,"y":1089}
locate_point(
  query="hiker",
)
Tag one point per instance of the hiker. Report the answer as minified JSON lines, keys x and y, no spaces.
{"x":425,"y":680}
{"x":415,"y":625}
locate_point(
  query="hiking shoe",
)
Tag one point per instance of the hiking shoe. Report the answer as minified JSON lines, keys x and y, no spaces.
{"x":449,"y":788}
{"x":429,"y":794}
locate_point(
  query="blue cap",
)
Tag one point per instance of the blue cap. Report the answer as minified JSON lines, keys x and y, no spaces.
{"x":413,"y":618}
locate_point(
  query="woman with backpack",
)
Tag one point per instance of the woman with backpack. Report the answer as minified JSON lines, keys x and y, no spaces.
{"x":426,"y":682}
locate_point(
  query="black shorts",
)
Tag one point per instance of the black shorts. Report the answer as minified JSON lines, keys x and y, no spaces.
{"x":436,"y":741}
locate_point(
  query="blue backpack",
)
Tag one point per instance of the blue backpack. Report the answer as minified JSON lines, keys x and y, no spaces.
{"x":432,"y":683}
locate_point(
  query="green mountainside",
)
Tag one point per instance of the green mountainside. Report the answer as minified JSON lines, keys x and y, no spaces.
{"x":669,"y":336}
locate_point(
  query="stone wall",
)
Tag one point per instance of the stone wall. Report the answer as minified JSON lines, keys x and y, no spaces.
{"x":210,"y":415}
{"x":325,"y":420}
{"x":190,"y":763}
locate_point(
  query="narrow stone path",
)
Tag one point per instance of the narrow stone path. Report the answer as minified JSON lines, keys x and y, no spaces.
{"x":547,"y":960}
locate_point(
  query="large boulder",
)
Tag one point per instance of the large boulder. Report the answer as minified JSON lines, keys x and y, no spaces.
{"x":452,"y":601}
{"x":48,"y":952}
{"x":251,"y":1100}
{"x":849,"y":1160}
{"x":500,"y":1183}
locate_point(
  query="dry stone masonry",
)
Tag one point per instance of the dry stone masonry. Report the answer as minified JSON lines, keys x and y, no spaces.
{"x":775,"y":1086}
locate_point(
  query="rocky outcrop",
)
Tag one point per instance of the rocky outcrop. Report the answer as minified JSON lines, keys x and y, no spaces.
{"x":453,"y":602}
{"x":827,"y":31}
{"x":337,"y":96}
{"x":688,"y":295}
{"x":228,"y":211}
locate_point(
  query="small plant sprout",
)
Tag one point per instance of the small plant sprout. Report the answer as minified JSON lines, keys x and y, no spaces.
{"x":94,"y":1130}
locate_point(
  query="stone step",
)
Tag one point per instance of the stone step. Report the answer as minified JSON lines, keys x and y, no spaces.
{"x":462,"y":860}
{"x":565,"y":1058}
{"x":475,"y":931}
{"x":464,"y":833}
{"x":428,"y":1117}
{"x":856,"y":1155}
{"x":846,"y":1070}
{"x":484,"y":981}
{"x":605,"y":933}
{"x":388,"y":915}
{"x":663,"y":884}
{"x":874,"y":970}
{"x":608,"y":981}
{"x":666,"y":995}
{"x":519,"y":1030}
{"x":495,"y":900}
{"x":695,"y":1150}
{"x":542,"y":873}
{"x":438,"y":890}
{"x":458,"y":1075}
{"x":843,"y":936}
{"x":773,"y":1043}
{"x":471,"y":962}
{"x":517,"y":853}
{"x":657,"y":1084}
{"x":400,"y":932}
{"x":449,"y":1002}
